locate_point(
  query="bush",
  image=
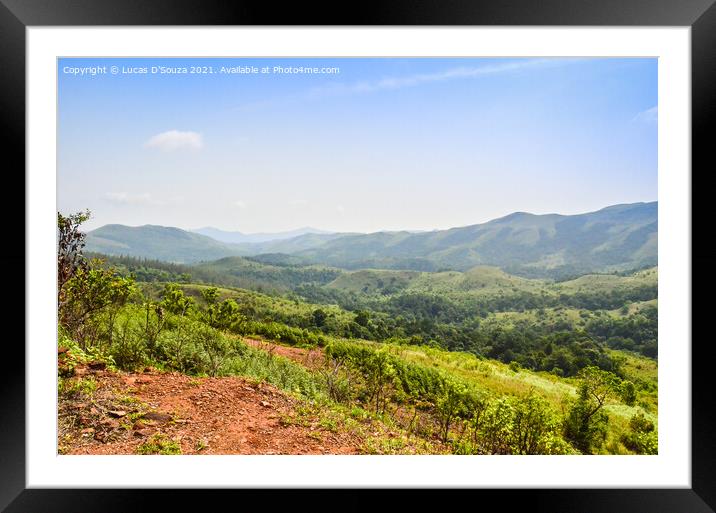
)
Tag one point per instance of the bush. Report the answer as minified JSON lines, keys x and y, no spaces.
{"x":159,"y":444}
{"x":279,"y":371}
{"x":642,"y":436}
{"x":195,"y":348}
{"x":129,"y":345}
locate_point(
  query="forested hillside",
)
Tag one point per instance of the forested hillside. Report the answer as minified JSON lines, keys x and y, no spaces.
{"x":616,"y":238}
{"x":479,"y":361}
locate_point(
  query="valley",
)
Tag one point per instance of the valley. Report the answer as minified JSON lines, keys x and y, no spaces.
{"x":525,"y":335}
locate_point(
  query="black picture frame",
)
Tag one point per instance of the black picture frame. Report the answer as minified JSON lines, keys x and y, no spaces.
{"x":700,"y":15}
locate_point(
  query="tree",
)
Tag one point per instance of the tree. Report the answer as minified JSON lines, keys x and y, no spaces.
{"x":174,"y":300}
{"x":224,"y":314}
{"x":70,"y":243}
{"x":586,"y":422}
{"x":92,"y":290}
{"x":210,"y":295}
{"x":534,"y":426}
{"x":362,"y":318}
{"x":449,"y":405}
{"x":319,"y":317}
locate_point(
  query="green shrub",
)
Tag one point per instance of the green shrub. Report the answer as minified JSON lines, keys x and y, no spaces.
{"x":159,"y":444}
{"x":77,"y":387}
{"x":279,"y":371}
{"x":194,"y":348}
{"x":129,"y":343}
{"x":642,"y":437}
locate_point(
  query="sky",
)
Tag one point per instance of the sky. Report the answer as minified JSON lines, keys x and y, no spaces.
{"x":352,"y":144}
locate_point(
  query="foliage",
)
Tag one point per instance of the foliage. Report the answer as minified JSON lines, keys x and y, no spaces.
{"x":586,"y":422}
{"x":642,"y":437}
{"x":70,"y":242}
{"x":174,"y":300}
{"x":159,"y":444}
{"x":385,"y":335}
{"x":91,"y":291}
{"x":77,"y":387}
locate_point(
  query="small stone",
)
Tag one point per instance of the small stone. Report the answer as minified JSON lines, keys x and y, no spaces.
{"x":110,"y":423}
{"x":157,"y":416}
{"x":265,"y":404}
{"x":117,"y":413}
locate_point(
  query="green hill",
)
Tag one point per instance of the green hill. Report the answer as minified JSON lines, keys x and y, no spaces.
{"x":614,"y":238}
{"x":248,"y":273}
{"x":156,"y":242}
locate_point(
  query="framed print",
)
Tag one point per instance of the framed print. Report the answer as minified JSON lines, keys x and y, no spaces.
{"x":423,"y":248}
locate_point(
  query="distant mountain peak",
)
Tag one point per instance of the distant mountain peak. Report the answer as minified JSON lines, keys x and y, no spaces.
{"x":233,"y":237}
{"x":614,"y":238}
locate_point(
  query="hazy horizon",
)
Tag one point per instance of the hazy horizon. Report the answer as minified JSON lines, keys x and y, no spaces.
{"x":318,"y":228}
{"x":385,"y":144}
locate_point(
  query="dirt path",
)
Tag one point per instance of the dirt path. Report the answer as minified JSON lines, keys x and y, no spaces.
{"x":311,"y":358}
{"x":227,"y":415}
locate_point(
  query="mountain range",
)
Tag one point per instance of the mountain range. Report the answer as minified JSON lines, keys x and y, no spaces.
{"x":239,"y":237}
{"x":618,"y":237}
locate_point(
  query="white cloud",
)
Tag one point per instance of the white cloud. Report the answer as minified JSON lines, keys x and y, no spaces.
{"x":440,"y":76}
{"x":144,"y":199}
{"x":123,"y":198}
{"x":341,"y":209}
{"x":388,"y":83}
{"x":648,"y":116}
{"x":175,"y":140}
{"x":240,"y":204}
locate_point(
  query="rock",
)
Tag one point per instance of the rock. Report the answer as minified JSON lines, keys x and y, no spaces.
{"x":265,"y":404}
{"x":157,"y":416}
{"x":110,"y":424}
{"x":117,"y":413}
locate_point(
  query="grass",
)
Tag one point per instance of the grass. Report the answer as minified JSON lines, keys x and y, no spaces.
{"x":77,"y":387}
{"x":276,"y":370}
{"x":159,"y":444}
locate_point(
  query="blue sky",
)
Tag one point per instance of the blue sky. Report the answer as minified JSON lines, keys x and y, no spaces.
{"x":382,"y":144}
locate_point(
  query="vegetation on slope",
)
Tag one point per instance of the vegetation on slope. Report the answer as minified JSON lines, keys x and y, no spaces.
{"x":616,"y":238}
{"x":472,"y":404}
